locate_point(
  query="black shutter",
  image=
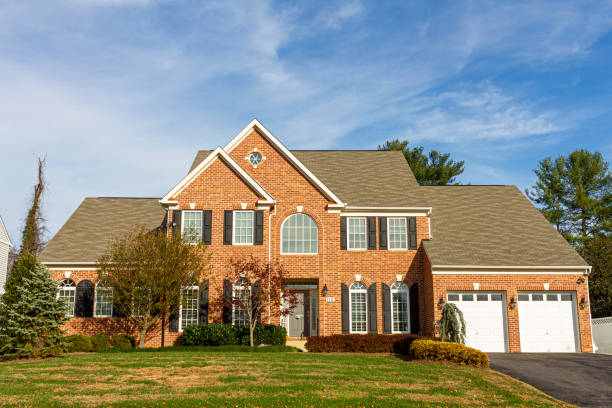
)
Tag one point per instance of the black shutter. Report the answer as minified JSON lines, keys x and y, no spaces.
{"x":174,"y":320}
{"x":371,"y":232}
{"x":414,"y":309}
{"x":344,"y":305}
{"x":386,"y":308}
{"x":382,"y":232}
{"x":259,"y":227}
{"x":116,"y":311}
{"x":84,"y":299}
{"x":207,"y":227}
{"x":342,"y":232}
{"x":176,"y":221}
{"x":412,"y":233}
{"x":203,"y":303}
{"x":372,"y":323}
{"x":228,"y":220}
{"x":227,"y":301}
{"x":254,"y":293}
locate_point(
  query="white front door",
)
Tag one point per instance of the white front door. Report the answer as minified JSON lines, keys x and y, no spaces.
{"x":547,"y":322}
{"x":485,"y":319}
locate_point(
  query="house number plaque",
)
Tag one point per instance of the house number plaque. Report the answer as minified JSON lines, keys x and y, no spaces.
{"x":330,"y":299}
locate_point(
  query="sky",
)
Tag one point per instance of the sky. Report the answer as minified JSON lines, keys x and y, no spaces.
{"x":119,"y":95}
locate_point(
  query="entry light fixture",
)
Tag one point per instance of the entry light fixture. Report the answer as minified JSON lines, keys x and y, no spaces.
{"x":580,"y":280}
{"x":512,"y":303}
{"x":582,"y":303}
{"x":324,"y":291}
{"x":441,"y":301}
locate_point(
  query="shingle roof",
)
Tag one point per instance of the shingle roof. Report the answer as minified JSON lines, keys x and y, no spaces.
{"x":88,"y":231}
{"x":492,"y":226}
{"x":366,"y":178}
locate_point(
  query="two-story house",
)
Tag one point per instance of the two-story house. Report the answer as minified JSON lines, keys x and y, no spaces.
{"x":368,"y":249}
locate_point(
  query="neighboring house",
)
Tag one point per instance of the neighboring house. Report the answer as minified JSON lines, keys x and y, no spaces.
{"x":5,"y":245}
{"x":367,"y":248}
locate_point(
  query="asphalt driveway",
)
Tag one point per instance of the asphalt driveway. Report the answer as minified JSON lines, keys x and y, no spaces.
{"x":582,"y":379}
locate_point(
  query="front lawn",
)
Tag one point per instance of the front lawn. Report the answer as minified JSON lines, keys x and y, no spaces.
{"x":196,"y":379}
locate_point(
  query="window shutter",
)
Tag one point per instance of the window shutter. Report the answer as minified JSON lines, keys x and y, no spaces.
{"x":228,"y":220}
{"x":344,"y":305}
{"x":314,"y":305}
{"x":176,"y":221}
{"x":254,"y":293}
{"x":174,"y":320}
{"x":414,"y":309}
{"x":412,"y":233}
{"x":386,"y":308}
{"x":259,"y":227}
{"x":227,"y":301}
{"x":203,"y":303}
{"x":117,"y":312}
{"x":371,"y":232}
{"x":84,"y":299}
{"x":382,"y":232}
{"x":372,"y":323}
{"x":207,"y":227}
{"x":342,"y":232}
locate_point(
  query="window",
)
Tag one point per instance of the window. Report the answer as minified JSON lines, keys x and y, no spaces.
{"x":189,"y":306}
{"x":242,"y":291}
{"x":357,"y":233}
{"x":358,"y":308}
{"x":399,"y":306}
{"x":255,"y":158}
{"x":299,"y":235}
{"x":192,"y":226}
{"x":243,"y":227}
{"x":103,"y":302}
{"x":396,"y":230}
{"x":67,"y":293}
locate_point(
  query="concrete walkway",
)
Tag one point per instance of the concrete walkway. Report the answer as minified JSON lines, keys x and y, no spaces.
{"x":297,"y":343}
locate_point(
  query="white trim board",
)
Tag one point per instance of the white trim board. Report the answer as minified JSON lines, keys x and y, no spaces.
{"x":381,"y":214}
{"x":218,"y":152}
{"x":255,"y":124}
{"x":491,"y":272}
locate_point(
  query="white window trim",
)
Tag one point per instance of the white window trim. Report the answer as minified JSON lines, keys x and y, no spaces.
{"x":348,"y":234}
{"x":234,"y":306}
{"x":183,"y":223}
{"x":299,"y":253}
{"x":180,"y":312}
{"x":234,"y":228}
{"x":389,"y":234}
{"x":351,"y":291}
{"x":407,"y":292}
{"x":71,"y":288}
{"x":96,"y":301}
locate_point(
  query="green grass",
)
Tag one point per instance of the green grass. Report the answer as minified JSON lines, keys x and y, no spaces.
{"x":203,"y":378}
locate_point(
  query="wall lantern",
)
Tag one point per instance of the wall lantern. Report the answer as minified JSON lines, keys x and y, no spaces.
{"x":324,"y":291}
{"x":512,"y":303}
{"x":580,"y":280}
{"x":441,"y":301}
{"x":582,"y":303}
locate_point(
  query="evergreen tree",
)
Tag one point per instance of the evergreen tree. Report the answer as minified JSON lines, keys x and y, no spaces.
{"x":452,"y":324}
{"x":597,"y":251}
{"x":30,"y":313}
{"x":550,"y":189}
{"x":32,"y":235}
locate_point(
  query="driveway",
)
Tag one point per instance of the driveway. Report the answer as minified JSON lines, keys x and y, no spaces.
{"x":583,"y":379}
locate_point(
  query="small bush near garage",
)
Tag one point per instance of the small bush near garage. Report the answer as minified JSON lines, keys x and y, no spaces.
{"x":78,"y":343}
{"x":362,"y":343}
{"x":216,"y":334}
{"x":445,"y":351}
{"x":100,"y":341}
{"x":123,"y":341}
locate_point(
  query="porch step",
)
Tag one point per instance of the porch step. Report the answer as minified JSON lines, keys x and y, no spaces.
{"x":297,"y":343}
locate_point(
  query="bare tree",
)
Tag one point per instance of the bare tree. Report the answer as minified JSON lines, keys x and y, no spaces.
{"x":33,"y":231}
{"x":257,"y":286}
{"x":147,"y":272}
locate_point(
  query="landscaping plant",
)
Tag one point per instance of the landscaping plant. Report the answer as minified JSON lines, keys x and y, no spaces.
{"x":362,"y":343}
{"x":78,"y":343}
{"x":452,"y":324}
{"x":450,"y":352}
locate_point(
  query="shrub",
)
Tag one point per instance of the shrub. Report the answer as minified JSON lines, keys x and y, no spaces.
{"x":78,"y":342}
{"x":451,"y":352}
{"x":214,"y":334}
{"x":270,"y":335}
{"x":100,"y":341}
{"x":362,"y":343}
{"x":123,"y":341}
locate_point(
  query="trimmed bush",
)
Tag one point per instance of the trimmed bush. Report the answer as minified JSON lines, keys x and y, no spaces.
{"x":100,"y":341}
{"x":123,"y":341}
{"x":270,"y":335}
{"x":77,"y":343}
{"x":362,"y":343}
{"x":445,"y":351}
{"x":214,"y":334}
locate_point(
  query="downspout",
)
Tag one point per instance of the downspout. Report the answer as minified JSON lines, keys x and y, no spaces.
{"x":590,"y":315}
{"x":270,"y":259}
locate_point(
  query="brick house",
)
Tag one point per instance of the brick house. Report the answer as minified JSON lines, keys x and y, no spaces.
{"x":367,"y":248}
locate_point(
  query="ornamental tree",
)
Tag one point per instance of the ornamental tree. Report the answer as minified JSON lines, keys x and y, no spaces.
{"x":452,"y":324}
{"x":147,"y":272}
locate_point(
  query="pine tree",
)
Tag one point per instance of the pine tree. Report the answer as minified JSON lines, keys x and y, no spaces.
{"x":30,"y":313}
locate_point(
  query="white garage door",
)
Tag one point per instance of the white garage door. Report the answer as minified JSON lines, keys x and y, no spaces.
{"x":485,"y":319}
{"x":547,"y":322}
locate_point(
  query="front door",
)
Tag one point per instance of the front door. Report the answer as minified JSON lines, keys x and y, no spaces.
{"x":298,"y":319}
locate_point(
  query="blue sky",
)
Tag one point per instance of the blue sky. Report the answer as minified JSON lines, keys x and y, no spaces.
{"x":120,"y":94}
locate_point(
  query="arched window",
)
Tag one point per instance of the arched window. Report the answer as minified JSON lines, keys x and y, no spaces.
{"x":189,"y":306}
{"x":104,"y":302}
{"x":241,"y":296}
{"x":67,"y":292}
{"x":358,"y":307}
{"x":399,"y":305}
{"x":299,"y":235}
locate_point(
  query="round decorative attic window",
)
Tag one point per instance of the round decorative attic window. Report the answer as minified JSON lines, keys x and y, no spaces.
{"x":255,"y":158}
